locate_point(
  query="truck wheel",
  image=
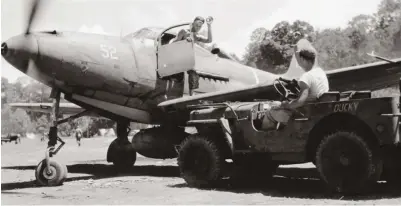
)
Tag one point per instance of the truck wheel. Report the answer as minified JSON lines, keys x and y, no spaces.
{"x":200,"y":161}
{"x":346,"y":163}
{"x":392,"y":167}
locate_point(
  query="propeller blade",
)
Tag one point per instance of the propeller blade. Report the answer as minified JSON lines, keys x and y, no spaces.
{"x":32,"y":70}
{"x":32,"y":14}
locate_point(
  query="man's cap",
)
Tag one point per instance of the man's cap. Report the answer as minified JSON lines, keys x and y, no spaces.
{"x":305,"y":48}
{"x":305,"y":45}
{"x":200,"y":19}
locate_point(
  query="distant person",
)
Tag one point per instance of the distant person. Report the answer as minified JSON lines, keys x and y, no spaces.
{"x":313,"y":83}
{"x":42,"y":138}
{"x":192,"y":34}
{"x":78,"y":136}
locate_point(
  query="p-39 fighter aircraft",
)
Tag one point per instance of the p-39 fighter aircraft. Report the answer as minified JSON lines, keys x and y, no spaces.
{"x":142,"y":77}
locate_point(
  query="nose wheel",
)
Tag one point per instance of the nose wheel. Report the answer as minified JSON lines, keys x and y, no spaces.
{"x":50,"y":172}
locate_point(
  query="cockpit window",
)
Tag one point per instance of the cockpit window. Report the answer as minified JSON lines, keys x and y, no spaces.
{"x":146,"y":33}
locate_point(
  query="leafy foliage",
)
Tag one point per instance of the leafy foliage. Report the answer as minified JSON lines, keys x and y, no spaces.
{"x":270,"y":49}
{"x":20,"y":121}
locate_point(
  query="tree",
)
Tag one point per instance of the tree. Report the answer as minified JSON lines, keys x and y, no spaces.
{"x":272,"y":50}
{"x":333,"y":49}
{"x":253,"y":48}
{"x":15,"y":121}
{"x":388,"y":30}
{"x":4,"y":86}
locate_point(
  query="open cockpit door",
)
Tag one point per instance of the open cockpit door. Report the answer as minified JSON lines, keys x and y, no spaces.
{"x":176,"y":57}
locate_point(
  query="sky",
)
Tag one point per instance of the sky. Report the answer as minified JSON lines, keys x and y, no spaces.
{"x":234,"y":20}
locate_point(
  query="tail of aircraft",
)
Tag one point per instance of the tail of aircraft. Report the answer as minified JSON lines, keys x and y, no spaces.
{"x":294,"y":70}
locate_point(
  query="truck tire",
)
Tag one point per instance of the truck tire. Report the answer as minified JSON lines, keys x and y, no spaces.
{"x":392,"y":167}
{"x":200,"y":161}
{"x":346,"y":163}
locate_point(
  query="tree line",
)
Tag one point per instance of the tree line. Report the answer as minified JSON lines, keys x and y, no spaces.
{"x":27,"y":90}
{"x":271,"y":49}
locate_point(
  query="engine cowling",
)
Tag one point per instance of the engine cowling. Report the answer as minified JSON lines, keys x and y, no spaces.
{"x":158,"y":142}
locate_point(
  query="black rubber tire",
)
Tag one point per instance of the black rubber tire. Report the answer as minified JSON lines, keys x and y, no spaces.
{"x":122,"y":154}
{"x":347,"y":164}
{"x":254,"y":170}
{"x":200,"y":161}
{"x":392,"y":167}
{"x":59,"y":173}
{"x":66,"y":172}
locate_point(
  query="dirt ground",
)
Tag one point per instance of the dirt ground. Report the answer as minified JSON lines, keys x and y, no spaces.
{"x":92,"y":180}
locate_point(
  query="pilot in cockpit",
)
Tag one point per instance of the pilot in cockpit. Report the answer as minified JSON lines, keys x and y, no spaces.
{"x":192,"y":34}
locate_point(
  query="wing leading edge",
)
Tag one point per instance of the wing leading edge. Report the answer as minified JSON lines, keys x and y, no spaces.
{"x":65,"y":108}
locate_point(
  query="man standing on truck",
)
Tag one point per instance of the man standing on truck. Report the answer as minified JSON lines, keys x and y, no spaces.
{"x":313,"y":83}
{"x":192,"y":34}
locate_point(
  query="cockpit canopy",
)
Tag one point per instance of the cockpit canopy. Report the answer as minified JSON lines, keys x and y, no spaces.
{"x":167,"y":34}
{"x":151,"y":33}
{"x":146,"y":33}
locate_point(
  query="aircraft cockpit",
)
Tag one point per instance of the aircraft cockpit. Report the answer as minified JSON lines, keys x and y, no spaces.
{"x":181,"y":56}
{"x":153,"y":33}
{"x":167,"y":36}
{"x":146,"y":33}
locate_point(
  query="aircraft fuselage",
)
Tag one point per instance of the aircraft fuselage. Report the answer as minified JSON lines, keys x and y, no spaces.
{"x":113,"y":74}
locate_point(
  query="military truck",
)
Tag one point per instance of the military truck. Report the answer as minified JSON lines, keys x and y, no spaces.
{"x":352,"y":138}
{"x":11,"y":137}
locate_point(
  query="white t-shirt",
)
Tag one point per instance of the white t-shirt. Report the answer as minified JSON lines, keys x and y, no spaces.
{"x":317,"y":81}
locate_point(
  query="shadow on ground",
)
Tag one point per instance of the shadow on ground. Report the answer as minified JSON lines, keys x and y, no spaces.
{"x":299,"y":183}
{"x":288,"y":182}
{"x":96,"y":171}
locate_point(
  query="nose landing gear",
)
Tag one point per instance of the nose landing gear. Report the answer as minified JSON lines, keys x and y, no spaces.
{"x":49,"y":172}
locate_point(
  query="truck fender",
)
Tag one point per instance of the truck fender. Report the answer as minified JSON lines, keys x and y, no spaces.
{"x":227,"y":133}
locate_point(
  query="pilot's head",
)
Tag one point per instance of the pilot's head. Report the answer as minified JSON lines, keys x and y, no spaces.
{"x":305,"y":54}
{"x":197,"y":24}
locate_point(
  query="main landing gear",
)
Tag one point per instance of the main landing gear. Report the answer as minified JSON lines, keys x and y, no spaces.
{"x":49,"y":172}
{"x":120,"y":151}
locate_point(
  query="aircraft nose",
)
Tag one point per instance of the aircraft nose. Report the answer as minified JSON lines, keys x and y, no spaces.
{"x":4,"y":48}
{"x":18,"y":50}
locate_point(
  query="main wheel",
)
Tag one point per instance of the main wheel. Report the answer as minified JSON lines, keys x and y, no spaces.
{"x":54,"y":177}
{"x":122,"y":154}
{"x":200,"y":161}
{"x":346,"y":163}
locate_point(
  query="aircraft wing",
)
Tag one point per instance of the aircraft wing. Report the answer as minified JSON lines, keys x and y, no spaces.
{"x":362,"y":77}
{"x":65,"y":108}
{"x":371,"y":76}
